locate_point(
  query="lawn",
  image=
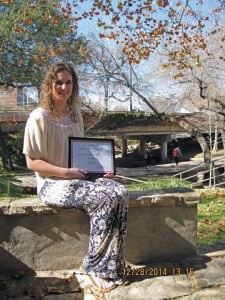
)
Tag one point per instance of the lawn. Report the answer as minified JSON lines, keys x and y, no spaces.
{"x":211,"y":217}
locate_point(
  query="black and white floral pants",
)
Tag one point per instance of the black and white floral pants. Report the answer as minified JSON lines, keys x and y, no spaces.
{"x":106,"y":203}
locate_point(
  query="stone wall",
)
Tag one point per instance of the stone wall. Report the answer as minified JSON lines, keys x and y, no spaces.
{"x":162,"y":224}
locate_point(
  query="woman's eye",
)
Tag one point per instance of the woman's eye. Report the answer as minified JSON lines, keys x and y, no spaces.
{"x":61,"y":83}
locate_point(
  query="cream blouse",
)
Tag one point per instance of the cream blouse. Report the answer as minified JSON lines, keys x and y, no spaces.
{"x":47,"y":139}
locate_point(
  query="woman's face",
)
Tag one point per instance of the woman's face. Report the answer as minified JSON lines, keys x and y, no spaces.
{"x":62,"y":87}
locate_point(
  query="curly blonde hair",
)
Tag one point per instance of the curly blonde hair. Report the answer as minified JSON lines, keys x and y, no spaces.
{"x":46,"y":99}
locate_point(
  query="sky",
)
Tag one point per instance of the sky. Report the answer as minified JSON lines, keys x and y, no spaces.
{"x":87,"y":25}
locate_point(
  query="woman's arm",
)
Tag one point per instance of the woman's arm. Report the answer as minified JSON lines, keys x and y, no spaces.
{"x":48,"y":169}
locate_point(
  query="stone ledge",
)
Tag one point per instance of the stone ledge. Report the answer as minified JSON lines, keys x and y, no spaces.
{"x":162,"y":224}
{"x":150,"y":198}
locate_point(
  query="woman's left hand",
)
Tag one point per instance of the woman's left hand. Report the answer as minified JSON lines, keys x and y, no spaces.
{"x":109,"y":175}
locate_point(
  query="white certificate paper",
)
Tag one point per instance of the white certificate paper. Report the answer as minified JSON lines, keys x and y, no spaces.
{"x":94,"y":155}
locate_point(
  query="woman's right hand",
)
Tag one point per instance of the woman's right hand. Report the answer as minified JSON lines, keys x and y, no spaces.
{"x":75,"y":173}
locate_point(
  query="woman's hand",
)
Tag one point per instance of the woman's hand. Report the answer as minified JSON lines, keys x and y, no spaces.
{"x":109,"y":175}
{"x":75,"y":173}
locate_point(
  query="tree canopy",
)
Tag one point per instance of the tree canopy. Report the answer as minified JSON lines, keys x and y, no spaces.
{"x":142,"y":26}
{"x":33,"y":34}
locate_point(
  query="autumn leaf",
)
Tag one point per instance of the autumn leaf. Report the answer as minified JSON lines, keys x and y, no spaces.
{"x":18,"y":29}
{"x":213,"y":32}
{"x":163,"y":3}
{"x":207,"y":221}
{"x":28,"y":21}
{"x":222,"y":223}
{"x":71,"y":277}
{"x":208,"y":208}
{"x":56,"y":20}
{"x":218,"y":231}
{"x":199,"y":234}
{"x":6,"y":1}
{"x":82,"y":50}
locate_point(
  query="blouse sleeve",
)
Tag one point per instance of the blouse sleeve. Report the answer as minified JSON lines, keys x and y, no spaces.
{"x":34,"y":137}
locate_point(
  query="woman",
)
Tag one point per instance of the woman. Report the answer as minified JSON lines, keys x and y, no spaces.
{"x":105,"y":201}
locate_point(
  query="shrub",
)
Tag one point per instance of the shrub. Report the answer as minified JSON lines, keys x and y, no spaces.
{"x":15,"y":144}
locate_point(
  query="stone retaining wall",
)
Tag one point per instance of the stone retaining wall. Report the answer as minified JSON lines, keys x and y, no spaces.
{"x":162,"y":224}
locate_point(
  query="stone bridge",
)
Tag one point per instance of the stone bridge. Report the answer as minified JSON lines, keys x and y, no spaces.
{"x":126,"y":126}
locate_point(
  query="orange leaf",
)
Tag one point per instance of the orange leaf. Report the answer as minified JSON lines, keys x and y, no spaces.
{"x":28,"y":21}
{"x":56,"y":20}
{"x":6,"y":1}
{"x":162,"y":3}
{"x":18,"y":29}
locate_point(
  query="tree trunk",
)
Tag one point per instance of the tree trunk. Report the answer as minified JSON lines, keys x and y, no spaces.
{"x":215,"y":145}
{"x":106,"y":94}
{"x":222,"y":131}
{"x":205,"y":148}
{"x":4,"y":152}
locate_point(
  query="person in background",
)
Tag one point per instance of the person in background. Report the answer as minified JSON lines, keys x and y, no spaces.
{"x":105,"y":200}
{"x":148,"y":158}
{"x":177,"y":155}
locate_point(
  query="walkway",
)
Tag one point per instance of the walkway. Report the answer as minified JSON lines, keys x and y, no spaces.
{"x":159,"y":170}
{"x":196,"y":278}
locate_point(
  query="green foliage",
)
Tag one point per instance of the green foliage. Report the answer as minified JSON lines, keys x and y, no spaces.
{"x":15,"y":145}
{"x":8,"y":188}
{"x":118,"y":119}
{"x":33,"y":36}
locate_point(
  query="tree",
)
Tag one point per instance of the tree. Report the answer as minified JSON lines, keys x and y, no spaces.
{"x":33,"y":35}
{"x":201,"y":84}
{"x":142,"y":27}
{"x":96,"y":73}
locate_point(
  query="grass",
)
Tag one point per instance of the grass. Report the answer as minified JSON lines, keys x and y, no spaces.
{"x":158,"y":184}
{"x":211,"y":217}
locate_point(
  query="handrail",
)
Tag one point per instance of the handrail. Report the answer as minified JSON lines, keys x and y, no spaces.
{"x":191,"y":169}
{"x":203,"y":172}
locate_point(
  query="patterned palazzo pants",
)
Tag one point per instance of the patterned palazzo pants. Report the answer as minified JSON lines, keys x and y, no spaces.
{"x":106,"y":203}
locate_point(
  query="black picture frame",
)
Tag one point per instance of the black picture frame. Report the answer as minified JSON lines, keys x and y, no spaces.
{"x":94,"y":155}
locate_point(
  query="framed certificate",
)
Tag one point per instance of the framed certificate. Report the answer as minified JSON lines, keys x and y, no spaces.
{"x":94,"y":155}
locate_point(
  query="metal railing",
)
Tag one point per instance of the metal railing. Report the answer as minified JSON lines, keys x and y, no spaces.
{"x":212,"y":179}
